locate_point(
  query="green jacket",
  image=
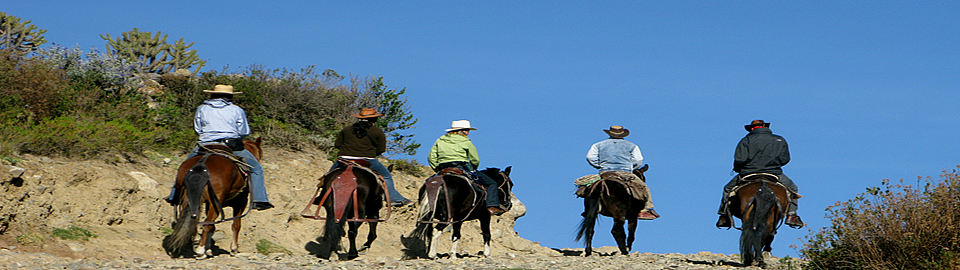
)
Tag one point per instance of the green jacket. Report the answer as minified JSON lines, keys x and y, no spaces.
{"x":453,"y":147}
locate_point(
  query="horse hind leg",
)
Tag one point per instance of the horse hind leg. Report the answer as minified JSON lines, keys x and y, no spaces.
{"x":371,"y":235}
{"x":455,"y":238}
{"x":235,"y":245}
{"x":485,"y":232}
{"x":352,"y":236}
{"x":432,"y":251}
{"x":620,"y":235}
{"x":631,"y":232}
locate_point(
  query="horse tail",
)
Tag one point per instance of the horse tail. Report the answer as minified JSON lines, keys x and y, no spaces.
{"x":181,"y":240}
{"x":333,"y":230}
{"x":751,"y":238}
{"x":591,"y":208}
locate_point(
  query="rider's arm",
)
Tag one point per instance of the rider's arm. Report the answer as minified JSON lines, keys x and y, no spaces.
{"x":636,"y":157}
{"x":593,"y":156}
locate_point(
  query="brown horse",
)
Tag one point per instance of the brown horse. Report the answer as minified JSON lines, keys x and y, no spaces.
{"x":351,"y":194}
{"x":213,"y":178}
{"x":448,"y":198}
{"x":761,"y":203}
{"x":612,"y":198}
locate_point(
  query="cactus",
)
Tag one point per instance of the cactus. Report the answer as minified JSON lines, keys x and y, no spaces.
{"x":19,"y":37}
{"x":153,"y":52}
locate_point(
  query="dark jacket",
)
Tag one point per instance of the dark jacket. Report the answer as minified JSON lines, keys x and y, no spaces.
{"x":761,"y":151}
{"x":350,"y":144}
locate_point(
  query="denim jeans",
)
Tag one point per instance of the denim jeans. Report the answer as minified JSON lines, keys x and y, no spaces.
{"x":378,"y":167}
{"x":258,"y":187}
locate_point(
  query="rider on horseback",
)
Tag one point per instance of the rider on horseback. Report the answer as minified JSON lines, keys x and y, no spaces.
{"x":621,"y":156}
{"x":218,"y":120}
{"x":364,"y":140}
{"x":454,"y":149}
{"x":760,"y":151}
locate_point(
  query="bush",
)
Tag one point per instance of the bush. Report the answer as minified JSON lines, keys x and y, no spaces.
{"x":895,"y":226}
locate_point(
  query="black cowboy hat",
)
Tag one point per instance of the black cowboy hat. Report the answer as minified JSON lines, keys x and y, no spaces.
{"x":755,"y":123}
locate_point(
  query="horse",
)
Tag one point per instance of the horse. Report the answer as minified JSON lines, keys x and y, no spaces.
{"x":450,"y":198}
{"x":760,"y":203}
{"x":351,"y":193}
{"x":611,"y":197}
{"x":213,"y":178}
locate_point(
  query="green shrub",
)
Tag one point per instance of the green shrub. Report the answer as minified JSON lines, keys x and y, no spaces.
{"x":409,"y":166}
{"x":74,"y":233}
{"x":895,"y":226}
{"x":266,"y":247}
{"x":30,"y":239}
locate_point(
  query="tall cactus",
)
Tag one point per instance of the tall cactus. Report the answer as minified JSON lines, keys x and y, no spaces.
{"x":153,"y":52}
{"x":20,"y":37}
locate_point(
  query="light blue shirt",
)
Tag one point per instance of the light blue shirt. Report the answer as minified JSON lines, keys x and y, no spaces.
{"x":615,"y":155}
{"x":219,"y":119}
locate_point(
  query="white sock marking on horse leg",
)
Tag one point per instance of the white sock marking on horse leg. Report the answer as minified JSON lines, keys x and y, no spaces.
{"x":433,"y":245}
{"x":453,"y":248}
{"x":486,"y":250}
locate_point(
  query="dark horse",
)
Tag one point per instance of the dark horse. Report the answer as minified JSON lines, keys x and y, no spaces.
{"x":214,"y":179}
{"x":760,"y":202}
{"x":450,"y":198}
{"x":353,"y":194}
{"x":611,"y":197}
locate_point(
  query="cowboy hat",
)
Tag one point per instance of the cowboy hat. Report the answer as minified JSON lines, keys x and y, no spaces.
{"x":756,"y":123}
{"x":368,"y":113}
{"x":617,"y":131}
{"x":222,"y":89}
{"x":460,"y":124}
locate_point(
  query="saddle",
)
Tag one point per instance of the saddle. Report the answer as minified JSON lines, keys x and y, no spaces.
{"x":226,"y":151}
{"x":469,"y":177}
{"x":759,"y":177}
{"x":352,"y":162}
{"x":633,"y":184}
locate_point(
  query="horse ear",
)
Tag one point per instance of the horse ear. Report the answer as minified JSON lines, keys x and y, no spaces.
{"x":644,"y":168}
{"x":507,"y":170}
{"x":390,"y":168}
{"x":259,"y":139}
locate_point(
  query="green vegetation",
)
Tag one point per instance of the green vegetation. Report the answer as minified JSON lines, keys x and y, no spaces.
{"x":67,"y":102}
{"x":895,"y":226}
{"x":153,"y":53}
{"x":18,"y":37}
{"x":30,"y":239}
{"x":266,"y":247}
{"x":74,"y":233}
{"x":409,"y":166}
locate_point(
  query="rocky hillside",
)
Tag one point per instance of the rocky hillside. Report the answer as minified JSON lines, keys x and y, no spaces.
{"x":111,"y":213}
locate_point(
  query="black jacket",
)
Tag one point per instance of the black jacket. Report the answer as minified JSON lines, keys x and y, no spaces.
{"x":761,"y":151}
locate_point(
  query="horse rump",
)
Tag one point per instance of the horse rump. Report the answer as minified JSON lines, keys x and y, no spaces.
{"x":755,"y":227}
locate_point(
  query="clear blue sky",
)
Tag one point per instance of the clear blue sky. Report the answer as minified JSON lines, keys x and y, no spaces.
{"x":861,"y":90}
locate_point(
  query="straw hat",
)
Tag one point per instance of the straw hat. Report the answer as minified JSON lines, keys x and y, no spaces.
{"x":755,"y":123}
{"x":368,"y":113}
{"x":222,"y":89}
{"x":617,"y":131}
{"x":460,"y":124}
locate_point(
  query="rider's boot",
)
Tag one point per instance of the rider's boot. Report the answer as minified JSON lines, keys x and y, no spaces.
{"x":723,"y":222}
{"x":793,"y":220}
{"x":648,"y":214}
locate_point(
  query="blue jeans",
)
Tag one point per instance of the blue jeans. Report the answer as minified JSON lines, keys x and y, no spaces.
{"x":378,"y":167}
{"x":258,"y":187}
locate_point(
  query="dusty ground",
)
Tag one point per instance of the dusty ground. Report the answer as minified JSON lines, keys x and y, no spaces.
{"x":119,"y":200}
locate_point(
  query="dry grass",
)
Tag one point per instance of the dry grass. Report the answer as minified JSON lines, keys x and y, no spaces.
{"x":895,"y":226}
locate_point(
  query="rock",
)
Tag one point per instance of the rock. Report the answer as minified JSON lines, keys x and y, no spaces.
{"x":15,"y":172}
{"x":145,"y":184}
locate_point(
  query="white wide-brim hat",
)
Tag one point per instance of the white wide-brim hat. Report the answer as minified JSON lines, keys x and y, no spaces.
{"x":460,"y":124}
{"x":222,"y":89}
